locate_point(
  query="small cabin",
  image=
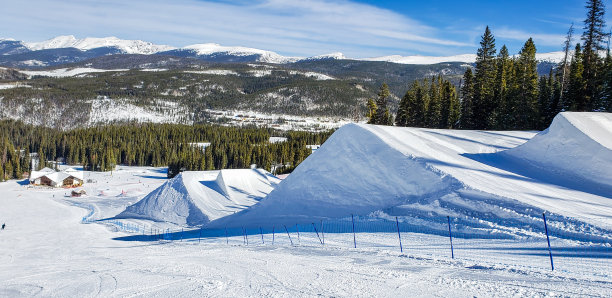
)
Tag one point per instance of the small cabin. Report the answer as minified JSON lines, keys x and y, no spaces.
{"x":49,"y":177}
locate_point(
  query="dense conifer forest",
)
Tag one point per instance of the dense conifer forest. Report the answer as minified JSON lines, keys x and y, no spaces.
{"x":505,"y":92}
{"x":176,"y":146}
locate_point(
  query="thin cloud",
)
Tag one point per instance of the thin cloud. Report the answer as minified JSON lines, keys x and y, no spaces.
{"x":538,"y":38}
{"x":292,"y":27}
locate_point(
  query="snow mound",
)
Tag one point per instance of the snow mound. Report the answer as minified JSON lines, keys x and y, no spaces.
{"x":575,"y":144}
{"x":424,"y":173}
{"x":195,"y":198}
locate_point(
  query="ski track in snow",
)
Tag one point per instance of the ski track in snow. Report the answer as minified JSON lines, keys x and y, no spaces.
{"x":47,"y":251}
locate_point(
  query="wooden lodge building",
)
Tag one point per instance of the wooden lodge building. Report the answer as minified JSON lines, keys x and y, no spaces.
{"x":49,"y":177}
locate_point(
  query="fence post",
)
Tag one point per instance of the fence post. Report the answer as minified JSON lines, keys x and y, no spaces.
{"x":261,"y":232}
{"x":298,"y":231}
{"x":552,"y":266}
{"x":450,"y":235}
{"x":288,"y":234}
{"x":315,"y":228}
{"x":272,"y":235}
{"x":226,"y":238}
{"x":322,"y":233}
{"x":246,"y":236}
{"x":399,"y":235}
{"x":354,"y":238}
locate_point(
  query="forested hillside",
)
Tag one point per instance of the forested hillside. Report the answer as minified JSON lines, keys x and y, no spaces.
{"x":178,"y":146}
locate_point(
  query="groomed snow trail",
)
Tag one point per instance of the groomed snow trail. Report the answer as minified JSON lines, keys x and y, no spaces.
{"x":46,"y":251}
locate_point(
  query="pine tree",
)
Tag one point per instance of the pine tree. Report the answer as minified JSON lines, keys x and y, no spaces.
{"x":403,"y":117}
{"x":484,"y":80}
{"x":372,"y":108}
{"x":499,"y":115}
{"x":382,"y":111}
{"x":415,"y":106}
{"x":42,"y":160}
{"x":454,"y":106}
{"x":574,"y":97}
{"x":593,"y":37}
{"x":544,"y":98}
{"x":527,"y":87}
{"x":606,"y":98}
{"x":434,"y":106}
{"x":210,"y":165}
{"x":565,"y":65}
{"x":467,"y":101}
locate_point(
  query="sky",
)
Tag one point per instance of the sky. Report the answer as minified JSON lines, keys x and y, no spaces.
{"x":359,"y":28}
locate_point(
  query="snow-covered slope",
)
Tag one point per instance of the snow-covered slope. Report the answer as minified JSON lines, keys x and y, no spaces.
{"x":365,"y":168}
{"x":88,"y":43}
{"x":194,"y":198}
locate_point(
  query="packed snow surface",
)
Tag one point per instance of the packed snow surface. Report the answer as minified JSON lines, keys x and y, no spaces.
{"x":414,"y":172}
{"x":46,"y":250}
{"x":194,"y":198}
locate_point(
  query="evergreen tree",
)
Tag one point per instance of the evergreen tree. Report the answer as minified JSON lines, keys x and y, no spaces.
{"x":416,"y":107}
{"x":42,"y":160}
{"x":593,"y":37}
{"x":434,"y":106}
{"x":606,"y":98}
{"x":527,"y":87}
{"x":372,"y":108}
{"x":454,"y":106}
{"x":501,"y":108}
{"x":565,"y":65}
{"x":467,"y":101}
{"x":544,"y":98}
{"x":574,"y":97}
{"x":403,"y":111}
{"x":484,"y":80}
{"x":382,"y":111}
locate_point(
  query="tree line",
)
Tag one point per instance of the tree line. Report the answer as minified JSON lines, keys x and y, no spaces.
{"x":135,"y":144}
{"x":505,"y":92}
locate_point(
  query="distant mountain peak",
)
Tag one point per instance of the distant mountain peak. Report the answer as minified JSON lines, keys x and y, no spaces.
{"x":335,"y":55}
{"x":88,"y":43}
{"x":265,"y":56}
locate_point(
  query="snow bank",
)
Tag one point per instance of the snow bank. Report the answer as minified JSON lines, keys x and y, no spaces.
{"x":578,"y":145}
{"x":194,"y":198}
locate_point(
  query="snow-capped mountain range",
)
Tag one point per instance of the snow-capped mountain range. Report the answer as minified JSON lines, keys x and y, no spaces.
{"x":88,"y":43}
{"x":93,"y":47}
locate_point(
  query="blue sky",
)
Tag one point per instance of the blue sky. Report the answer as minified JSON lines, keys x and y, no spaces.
{"x":360,"y":28}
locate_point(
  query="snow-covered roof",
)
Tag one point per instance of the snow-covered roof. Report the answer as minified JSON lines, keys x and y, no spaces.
{"x":56,"y":176}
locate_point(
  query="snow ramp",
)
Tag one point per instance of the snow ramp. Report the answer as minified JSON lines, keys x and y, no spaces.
{"x":364,"y":169}
{"x":577,"y":146}
{"x":195,"y":198}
